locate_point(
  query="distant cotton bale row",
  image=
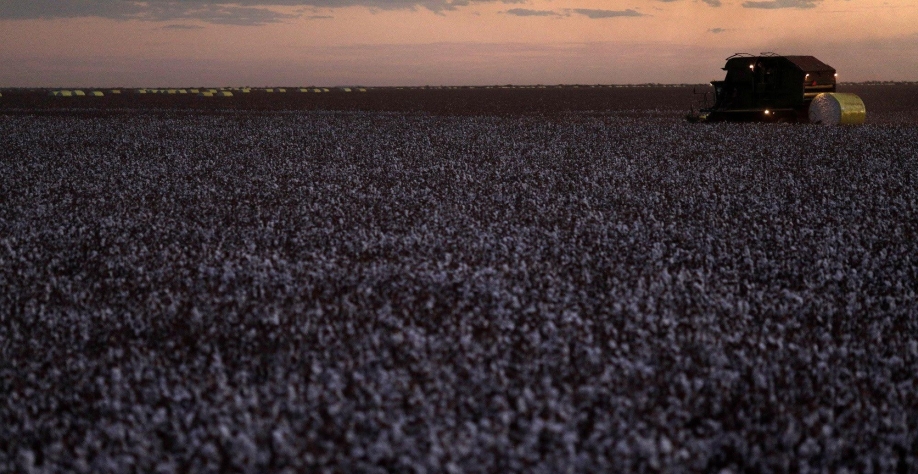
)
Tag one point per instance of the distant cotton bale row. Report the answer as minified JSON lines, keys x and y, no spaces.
{"x":837,"y":109}
{"x":193,"y":91}
{"x":75,"y":93}
{"x":203,"y":92}
{"x":167,"y":91}
{"x":215,"y":94}
{"x":317,"y":90}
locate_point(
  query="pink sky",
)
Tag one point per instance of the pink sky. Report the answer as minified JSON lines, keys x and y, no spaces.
{"x":105,"y":43}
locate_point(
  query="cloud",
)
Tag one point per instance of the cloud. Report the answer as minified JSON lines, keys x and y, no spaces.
{"x":183,"y":27}
{"x":528,"y":12}
{"x":716,"y":30}
{"x":319,"y":17}
{"x":233,"y":12}
{"x":598,"y":14}
{"x":713,"y":3}
{"x":238,"y":13}
{"x":776,"y":4}
{"x":225,"y":15}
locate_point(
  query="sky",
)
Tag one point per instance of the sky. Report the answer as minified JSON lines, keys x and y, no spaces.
{"x":169,"y":43}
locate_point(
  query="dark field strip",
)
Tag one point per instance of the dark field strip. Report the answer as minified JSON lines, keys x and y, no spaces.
{"x":885,"y":103}
{"x":399,"y":292}
{"x":464,"y":101}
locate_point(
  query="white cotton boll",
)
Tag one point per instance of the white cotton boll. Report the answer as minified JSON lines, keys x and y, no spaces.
{"x":26,"y":461}
{"x":666,"y":446}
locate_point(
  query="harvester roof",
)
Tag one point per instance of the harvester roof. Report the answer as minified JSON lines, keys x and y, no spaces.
{"x":806,"y":64}
{"x":809,"y":64}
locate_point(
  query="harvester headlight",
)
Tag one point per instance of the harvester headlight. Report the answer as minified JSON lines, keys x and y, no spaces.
{"x":767,"y":112}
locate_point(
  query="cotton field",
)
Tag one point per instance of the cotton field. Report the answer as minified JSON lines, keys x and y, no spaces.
{"x":329,"y":291}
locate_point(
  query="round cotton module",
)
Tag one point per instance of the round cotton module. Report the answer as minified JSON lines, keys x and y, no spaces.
{"x":834,"y":108}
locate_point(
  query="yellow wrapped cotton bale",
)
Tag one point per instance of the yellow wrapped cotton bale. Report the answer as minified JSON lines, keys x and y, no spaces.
{"x":833,"y":108}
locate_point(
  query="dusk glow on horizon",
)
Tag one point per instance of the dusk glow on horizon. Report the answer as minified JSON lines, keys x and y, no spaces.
{"x":109,"y":43}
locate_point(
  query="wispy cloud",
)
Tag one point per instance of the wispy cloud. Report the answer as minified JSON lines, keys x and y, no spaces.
{"x":713,"y":3}
{"x":599,"y":14}
{"x":183,"y":27}
{"x":776,"y":4}
{"x":567,"y":12}
{"x":528,"y":12}
{"x":238,"y":13}
{"x":716,"y":30}
{"x":233,"y":12}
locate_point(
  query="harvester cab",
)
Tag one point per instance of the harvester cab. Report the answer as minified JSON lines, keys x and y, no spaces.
{"x":773,"y":88}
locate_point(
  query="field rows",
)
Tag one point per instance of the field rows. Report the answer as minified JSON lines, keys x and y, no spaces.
{"x":349,"y":291}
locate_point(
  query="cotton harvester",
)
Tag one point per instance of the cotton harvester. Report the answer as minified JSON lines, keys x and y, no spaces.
{"x":773,"y":88}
